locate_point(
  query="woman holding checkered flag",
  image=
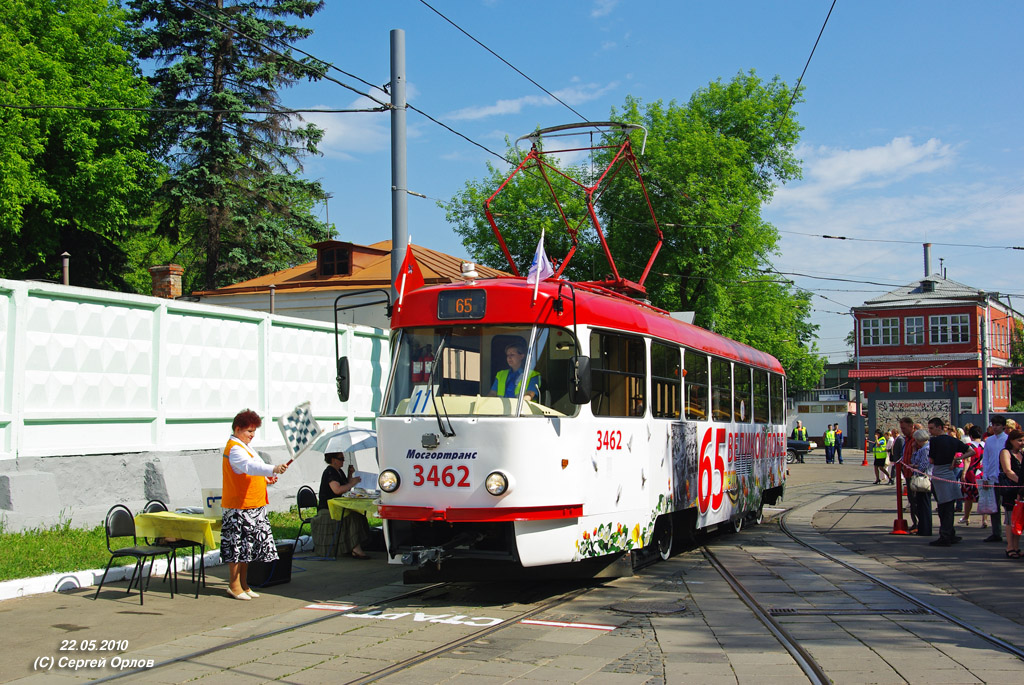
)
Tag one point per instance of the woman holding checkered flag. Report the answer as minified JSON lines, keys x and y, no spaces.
{"x":245,"y":534}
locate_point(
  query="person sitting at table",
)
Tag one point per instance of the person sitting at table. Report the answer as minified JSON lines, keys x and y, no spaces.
{"x":507,"y":382}
{"x":354,"y":529}
{"x":245,"y":532}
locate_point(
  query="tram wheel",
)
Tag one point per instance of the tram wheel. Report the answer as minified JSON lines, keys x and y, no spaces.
{"x":663,"y":536}
{"x":758,"y":517}
{"x":736,"y":524}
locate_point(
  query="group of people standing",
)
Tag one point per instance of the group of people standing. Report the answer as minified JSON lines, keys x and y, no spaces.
{"x":951,"y":464}
{"x":833,"y":441}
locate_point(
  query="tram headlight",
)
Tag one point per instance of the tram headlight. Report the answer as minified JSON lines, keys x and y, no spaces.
{"x":388,"y":480}
{"x":496,"y":483}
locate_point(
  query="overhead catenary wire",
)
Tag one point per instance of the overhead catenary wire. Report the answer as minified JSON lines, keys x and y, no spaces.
{"x":903,"y":242}
{"x":385,"y":105}
{"x":505,"y":61}
{"x":204,"y":112}
{"x":256,"y":41}
{"x":796,"y":89}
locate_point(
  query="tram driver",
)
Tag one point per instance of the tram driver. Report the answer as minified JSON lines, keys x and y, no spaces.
{"x":507,"y":382}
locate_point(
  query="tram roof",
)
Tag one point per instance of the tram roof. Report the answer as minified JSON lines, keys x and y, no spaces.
{"x":509,"y":302}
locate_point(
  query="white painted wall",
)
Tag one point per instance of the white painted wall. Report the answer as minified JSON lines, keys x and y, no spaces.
{"x":108,"y":397}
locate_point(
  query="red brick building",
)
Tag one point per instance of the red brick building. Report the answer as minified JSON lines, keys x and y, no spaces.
{"x":931,"y":336}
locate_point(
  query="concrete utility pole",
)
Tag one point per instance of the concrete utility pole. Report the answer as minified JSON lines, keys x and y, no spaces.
{"x":399,"y":201}
{"x":985,"y":400}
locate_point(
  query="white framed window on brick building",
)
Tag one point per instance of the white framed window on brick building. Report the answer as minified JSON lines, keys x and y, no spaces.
{"x":949,"y":328}
{"x":875,"y":332}
{"x":913,"y":327}
{"x":933,"y":385}
{"x":897,"y":386}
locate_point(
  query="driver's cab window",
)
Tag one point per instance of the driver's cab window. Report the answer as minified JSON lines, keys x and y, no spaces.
{"x":482,"y":370}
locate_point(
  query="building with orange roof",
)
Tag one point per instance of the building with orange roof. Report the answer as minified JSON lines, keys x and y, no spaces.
{"x":309,"y":290}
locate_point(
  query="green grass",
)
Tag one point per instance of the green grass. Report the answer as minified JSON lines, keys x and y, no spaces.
{"x":63,"y":549}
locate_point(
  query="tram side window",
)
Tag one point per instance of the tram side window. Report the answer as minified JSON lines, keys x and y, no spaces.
{"x":742,"y":409}
{"x":760,"y":396}
{"x":778,"y":399}
{"x":618,"y":370}
{"x":696,"y":365}
{"x":665,"y":381}
{"x":721,"y":390}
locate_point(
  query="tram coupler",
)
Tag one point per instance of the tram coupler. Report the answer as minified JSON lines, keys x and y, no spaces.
{"x":421,"y":556}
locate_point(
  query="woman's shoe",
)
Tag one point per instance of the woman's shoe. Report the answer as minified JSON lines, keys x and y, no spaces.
{"x":963,"y":521}
{"x":360,"y":556}
{"x":876,"y":482}
{"x":252,"y":595}
{"x":240,"y":595}
{"x":1013,"y":554}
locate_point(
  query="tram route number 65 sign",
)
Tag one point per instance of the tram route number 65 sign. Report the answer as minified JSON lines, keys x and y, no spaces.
{"x":711,"y":470}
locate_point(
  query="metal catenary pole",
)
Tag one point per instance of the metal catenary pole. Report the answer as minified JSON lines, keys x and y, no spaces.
{"x":399,"y":201}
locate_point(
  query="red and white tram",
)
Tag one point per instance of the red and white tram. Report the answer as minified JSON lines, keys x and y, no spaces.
{"x":627,"y":428}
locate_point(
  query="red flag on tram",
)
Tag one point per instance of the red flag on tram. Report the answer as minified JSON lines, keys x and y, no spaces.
{"x":409,"y":276}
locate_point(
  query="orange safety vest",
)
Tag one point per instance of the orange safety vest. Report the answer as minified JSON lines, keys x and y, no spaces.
{"x":241,"y":491}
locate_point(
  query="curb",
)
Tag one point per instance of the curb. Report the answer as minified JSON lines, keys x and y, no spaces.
{"x":76,"y":580}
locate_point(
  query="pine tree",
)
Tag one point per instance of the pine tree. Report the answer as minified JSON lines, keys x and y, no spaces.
{"x":233,"y":194}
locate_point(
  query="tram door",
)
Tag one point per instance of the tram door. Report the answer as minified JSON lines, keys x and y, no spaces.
{"x":619,"y":401}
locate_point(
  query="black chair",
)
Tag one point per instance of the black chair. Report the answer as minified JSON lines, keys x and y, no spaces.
{"x":154,"y":505}
{"x":121,"y":524}
{"x":305,"y":498}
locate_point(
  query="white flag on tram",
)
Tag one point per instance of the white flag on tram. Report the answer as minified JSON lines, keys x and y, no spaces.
{"x":299,"y":429}
{"x":540,"y":268}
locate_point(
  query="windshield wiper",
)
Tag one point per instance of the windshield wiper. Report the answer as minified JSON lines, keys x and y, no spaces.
{"x":450,"y":432}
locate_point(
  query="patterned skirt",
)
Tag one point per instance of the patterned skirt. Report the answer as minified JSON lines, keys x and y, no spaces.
{"x":245,"y":536}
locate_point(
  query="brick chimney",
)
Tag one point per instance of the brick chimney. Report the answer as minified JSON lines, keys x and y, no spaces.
{"x":166,"y":280}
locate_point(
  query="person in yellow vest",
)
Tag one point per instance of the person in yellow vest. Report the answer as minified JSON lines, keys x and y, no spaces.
{"x":508,"y":382}
{"x":830,"y":444}
{"x":799,"y":432}
{"x":880,"y":450}
{"x":245,"y":532}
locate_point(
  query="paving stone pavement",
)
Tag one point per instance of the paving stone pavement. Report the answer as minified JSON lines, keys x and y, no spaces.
{"x":716,"y":639}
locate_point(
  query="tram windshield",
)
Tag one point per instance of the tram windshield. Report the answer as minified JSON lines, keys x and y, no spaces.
{"x":482,"y":371}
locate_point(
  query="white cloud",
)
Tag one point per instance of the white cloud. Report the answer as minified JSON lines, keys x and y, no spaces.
{"x":829,"y":171}
{"x":573,"y":95}
{"x":602,"y":8}
{"x":347,"y":134}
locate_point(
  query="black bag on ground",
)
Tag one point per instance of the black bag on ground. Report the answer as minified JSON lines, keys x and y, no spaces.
{"x":267,"y":573}
{"x":375,"y":543}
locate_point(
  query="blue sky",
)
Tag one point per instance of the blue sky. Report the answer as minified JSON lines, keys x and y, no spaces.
{"x":912,"y":119}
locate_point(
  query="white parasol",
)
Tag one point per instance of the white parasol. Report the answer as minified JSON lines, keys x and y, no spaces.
{"x":345,"y":440}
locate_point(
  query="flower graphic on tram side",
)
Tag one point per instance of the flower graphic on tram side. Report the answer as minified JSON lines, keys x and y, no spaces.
{"x":612,"y":538}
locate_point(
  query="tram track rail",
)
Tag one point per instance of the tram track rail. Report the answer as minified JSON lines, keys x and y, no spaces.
{"x":260,"y":636}
{"x":804,"y":660}
{"x":397,"y":667}
{"x":903,"y":594}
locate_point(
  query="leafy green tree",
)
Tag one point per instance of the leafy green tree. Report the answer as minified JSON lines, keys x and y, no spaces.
{"x":233,"y":194}
{"x":770,"y":315}
{"x":522,"y":209}
{"x":70,"y":179}
{"x":1017,"y":360}
{"x":709,"y":166}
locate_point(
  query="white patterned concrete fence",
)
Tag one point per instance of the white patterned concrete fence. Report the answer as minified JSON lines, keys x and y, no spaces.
{"x":114,"y":398}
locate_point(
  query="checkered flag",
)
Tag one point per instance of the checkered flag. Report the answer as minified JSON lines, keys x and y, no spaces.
{"x":299,"y":429}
